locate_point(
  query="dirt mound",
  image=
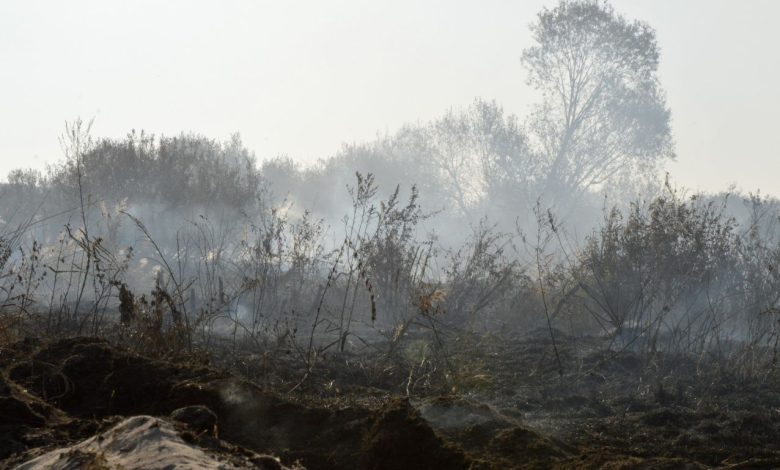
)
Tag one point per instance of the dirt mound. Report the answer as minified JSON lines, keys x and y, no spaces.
{"x":197,"y":417}
{"x":87,"y":377}
{"x":400,"y":438}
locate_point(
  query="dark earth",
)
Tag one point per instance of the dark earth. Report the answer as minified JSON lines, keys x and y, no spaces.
{"x":615,"y":409}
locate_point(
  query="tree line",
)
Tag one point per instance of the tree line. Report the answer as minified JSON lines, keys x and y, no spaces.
{"x":602,"y":123}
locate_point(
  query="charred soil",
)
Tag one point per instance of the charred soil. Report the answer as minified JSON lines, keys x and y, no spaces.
{"x":594,"y":408}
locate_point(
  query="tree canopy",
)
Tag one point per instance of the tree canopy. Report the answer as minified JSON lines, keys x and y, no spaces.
{"x":603,"y":115}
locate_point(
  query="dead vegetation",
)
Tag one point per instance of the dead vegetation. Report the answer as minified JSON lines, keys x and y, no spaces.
{"x":652,"y":341}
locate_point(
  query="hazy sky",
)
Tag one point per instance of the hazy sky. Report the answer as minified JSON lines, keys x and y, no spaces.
{"x":300,"y":78}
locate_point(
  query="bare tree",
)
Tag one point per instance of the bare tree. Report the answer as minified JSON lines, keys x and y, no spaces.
{"x":603,"y":115}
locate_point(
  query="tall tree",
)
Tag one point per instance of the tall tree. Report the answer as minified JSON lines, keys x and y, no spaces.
{"x":603,"y":115}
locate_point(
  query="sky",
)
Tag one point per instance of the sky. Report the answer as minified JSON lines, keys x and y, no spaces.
{"x":301,"y":78}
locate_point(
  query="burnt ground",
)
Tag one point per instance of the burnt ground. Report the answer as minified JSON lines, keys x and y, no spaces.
{"x":515,"y":405}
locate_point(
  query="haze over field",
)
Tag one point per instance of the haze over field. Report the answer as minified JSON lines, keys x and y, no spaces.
{"x":301,"y":78}
{"x":389,"y":235}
